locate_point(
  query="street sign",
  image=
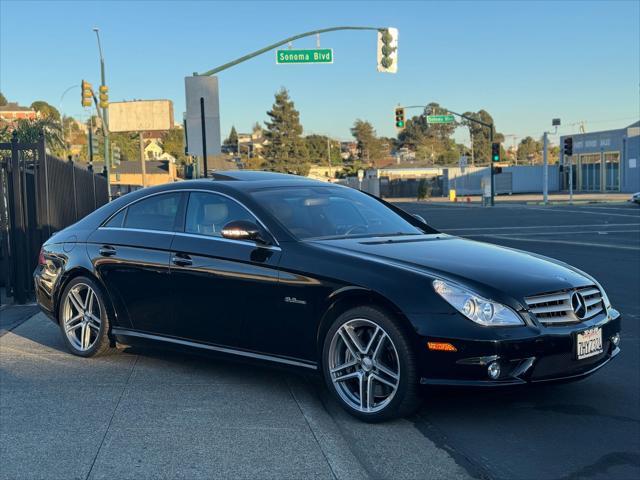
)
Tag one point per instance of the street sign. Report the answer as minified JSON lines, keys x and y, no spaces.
{"x":317,"y":55}
{"x":440,"y":119}
{"x":463,"y":162}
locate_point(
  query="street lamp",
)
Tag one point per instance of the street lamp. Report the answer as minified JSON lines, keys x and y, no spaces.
{"x":105,"y":115}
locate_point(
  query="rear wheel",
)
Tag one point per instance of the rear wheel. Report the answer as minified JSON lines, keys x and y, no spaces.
{"x":369,"y":365}
{"x":83,"y":318}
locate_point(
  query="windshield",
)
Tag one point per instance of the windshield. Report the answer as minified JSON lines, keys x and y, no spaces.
{"x":332,"y":212}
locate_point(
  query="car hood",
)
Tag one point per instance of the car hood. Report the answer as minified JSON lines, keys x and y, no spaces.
{"x":494,"y":268}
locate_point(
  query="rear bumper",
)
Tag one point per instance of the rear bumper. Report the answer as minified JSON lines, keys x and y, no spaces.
{"x":548,"y":356}
{"x":44,"y":294}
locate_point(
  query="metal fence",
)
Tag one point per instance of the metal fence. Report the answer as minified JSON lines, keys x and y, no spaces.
{"x":39,"y":195}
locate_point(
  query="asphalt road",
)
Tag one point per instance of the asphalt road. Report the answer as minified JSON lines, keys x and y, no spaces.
{"x":146,"y":413}
{"x":589,"y":429}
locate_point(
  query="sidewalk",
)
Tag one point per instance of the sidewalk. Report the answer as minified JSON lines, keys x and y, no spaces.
{"x":528,"y":198}
{"x":148,"y":414}
{"x":12,"y":315}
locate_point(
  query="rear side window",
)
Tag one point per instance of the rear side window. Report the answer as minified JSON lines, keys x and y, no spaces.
{"x":117,"y":220}
{"x":154,"y":213}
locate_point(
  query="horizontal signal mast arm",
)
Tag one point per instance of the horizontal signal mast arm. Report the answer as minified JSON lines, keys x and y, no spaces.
{"x":278,"y":44}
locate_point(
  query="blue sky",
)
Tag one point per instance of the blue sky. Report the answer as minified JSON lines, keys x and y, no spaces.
{"x":524,"y":62}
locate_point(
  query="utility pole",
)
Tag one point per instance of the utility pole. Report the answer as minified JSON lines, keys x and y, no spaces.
{"x":545,"y":168}
{"x":493,"y":187}
{"x":329,"y":156}
{"x":143,"y":166}
{"x":105,"y":117}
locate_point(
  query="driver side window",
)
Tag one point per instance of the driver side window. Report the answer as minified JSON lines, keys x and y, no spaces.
{"x":208,"y":213}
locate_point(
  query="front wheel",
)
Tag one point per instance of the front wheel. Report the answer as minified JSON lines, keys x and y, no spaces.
{"x":369,"y":365}
{"x":83,"y":318}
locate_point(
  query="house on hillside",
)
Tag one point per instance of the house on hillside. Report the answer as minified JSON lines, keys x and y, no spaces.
{"x":127,"y":176}
{"x":12,"y":111}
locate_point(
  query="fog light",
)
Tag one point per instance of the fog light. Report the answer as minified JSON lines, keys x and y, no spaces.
{"x":493,"y":370}
{"x":616,"y":339}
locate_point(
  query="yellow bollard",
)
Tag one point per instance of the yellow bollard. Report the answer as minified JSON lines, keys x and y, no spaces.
{"x":452,"y":195}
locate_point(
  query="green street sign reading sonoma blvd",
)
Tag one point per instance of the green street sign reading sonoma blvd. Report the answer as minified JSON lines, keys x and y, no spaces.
{"x":318,"y":55}
{"x":440,"y":119}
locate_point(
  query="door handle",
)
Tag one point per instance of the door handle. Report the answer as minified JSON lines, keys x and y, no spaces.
{"x":181,"y":260}
{"x":107,"y":251}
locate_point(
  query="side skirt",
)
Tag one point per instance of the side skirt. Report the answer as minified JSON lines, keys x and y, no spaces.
{"x":231,"y":351}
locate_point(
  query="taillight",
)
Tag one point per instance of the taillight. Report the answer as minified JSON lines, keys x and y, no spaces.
{"x":41,"y":259}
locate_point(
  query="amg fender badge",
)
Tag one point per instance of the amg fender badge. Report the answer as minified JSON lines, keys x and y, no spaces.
{"x":295,"y":300}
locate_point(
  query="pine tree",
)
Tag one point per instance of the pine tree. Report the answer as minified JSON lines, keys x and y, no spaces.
{"x":370,"y":147}
{"x":232,"y":139}
{"x":286,"y":150}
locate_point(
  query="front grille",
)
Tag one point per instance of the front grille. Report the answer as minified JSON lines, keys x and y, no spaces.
{"x":556,"y":308}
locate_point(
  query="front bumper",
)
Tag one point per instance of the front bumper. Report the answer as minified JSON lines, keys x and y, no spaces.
{"x":533,"y":356}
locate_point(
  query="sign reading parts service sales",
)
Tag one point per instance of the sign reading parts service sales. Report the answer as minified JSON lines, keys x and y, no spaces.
{"x":318,"y":55}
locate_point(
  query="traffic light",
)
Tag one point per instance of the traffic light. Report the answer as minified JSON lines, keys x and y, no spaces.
{"x":104,"y":96}
{"x":497,"y":170}
{"x":87,"y":94}
{"x":115,"y":152}
{"x":567,"y":147}
{"x":94,"y":143}
{"x":388,"y":50}
{"x":495,"y":152}
{"x":400,"y":118}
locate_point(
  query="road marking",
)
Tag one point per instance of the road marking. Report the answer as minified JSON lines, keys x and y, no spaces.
{"x":601,"y":225}
{"x":594,"y":207}
{"x":557,"y":210}
{"x":553,"y":233}
{"x":565,"y":242}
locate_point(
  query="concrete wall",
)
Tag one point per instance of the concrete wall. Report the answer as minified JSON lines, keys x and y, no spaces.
{"x":467,"y":181}
{"x":516,"y":179}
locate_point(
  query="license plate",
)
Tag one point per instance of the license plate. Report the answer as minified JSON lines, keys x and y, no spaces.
{"x":589,"y":343}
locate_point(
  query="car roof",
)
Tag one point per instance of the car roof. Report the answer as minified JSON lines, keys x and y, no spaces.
{"x":247,"y":180}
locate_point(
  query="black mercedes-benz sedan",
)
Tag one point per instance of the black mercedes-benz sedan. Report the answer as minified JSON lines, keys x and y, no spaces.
{"x":322,"y":277}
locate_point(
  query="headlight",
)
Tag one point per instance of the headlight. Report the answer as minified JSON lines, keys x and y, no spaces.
{"x":475,"y":308}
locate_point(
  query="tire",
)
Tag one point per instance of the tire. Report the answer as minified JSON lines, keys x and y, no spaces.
{"x":76,"y":318}
{"x":361,"y":375}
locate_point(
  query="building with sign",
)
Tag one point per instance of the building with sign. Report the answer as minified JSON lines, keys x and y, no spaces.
{"x":605,"y":161}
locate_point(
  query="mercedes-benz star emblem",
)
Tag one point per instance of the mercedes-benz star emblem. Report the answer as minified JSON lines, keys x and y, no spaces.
{"x":578,"y":304}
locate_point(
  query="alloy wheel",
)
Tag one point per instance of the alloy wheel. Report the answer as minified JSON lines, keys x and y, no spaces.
{"x":81,"y":316}
{"x":364,"y":365}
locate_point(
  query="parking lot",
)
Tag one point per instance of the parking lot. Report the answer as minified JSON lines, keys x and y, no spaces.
{"x":146,"y":413}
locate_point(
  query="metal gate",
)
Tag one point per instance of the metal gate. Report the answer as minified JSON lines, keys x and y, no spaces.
{"x":39,"y":195}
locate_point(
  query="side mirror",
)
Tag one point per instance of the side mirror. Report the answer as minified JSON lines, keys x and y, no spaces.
{"x":243,"y":230}
{"x":419,"y":217}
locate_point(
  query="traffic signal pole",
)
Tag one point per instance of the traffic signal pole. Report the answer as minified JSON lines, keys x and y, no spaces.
{"x":105,"y":119}
{"x":493,"y":186}
{"x":278,"y":44}
{"x":490,"y":126}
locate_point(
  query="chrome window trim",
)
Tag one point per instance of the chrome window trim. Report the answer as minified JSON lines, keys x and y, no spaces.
{"x":184,"y":190}
{"x":143,"y":230}
{"x":229,"y":240}
{"x":215,"y":348}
